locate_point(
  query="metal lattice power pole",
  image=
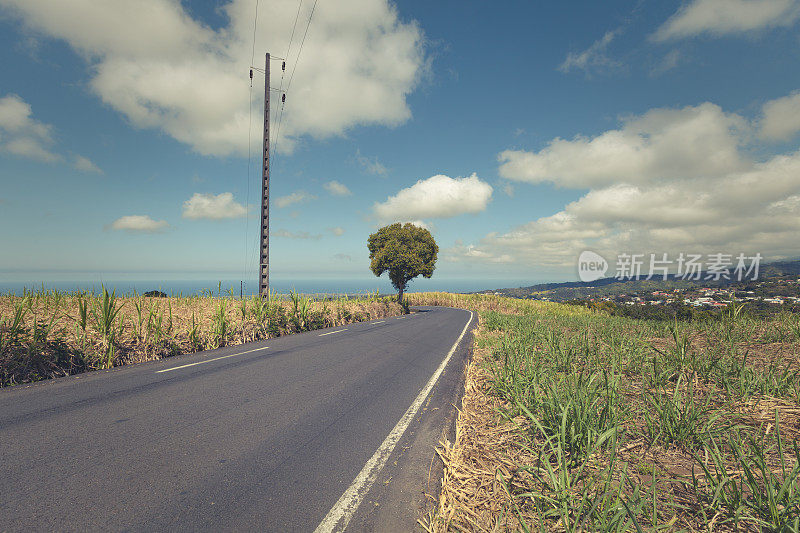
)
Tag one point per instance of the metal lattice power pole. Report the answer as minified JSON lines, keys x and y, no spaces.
{"x":263,"y":281}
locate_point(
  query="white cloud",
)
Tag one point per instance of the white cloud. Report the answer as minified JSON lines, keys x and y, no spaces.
{"x":24,"y":136}
{"x":594,"y":58}
{"x":421,"y":224}
{"x":662,"y":144}
{"x":725,"y":17}
{"x":162,"y":69}
{"x":667,"y":63}
{"x":436,"y":197}
{"x":781,"y":118}
{"x":337,"y":231}
{"x":718,"y":199}
{"x":85,"y":165}
{"x":301,"y":235}
{"x":139,"y":224}
{"x":337,"y":189}
{"x":371,"y":165}
{"x":30,"y":148}
{"x":21,"y":134}
{"x":294,"y":198}
{"x":471,"y":253}
{"x":15,"y":116}
{"x":213,"y":207}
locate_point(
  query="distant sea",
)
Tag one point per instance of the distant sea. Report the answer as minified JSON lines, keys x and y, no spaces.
{"x":281,"y":286}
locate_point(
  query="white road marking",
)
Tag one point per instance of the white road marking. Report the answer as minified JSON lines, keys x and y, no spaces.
{"x":210,"y":360}
{"x":401,"y":317}
{"x":341,"y":513}
{"x":332,"y":332}
{"x":379,"y":322}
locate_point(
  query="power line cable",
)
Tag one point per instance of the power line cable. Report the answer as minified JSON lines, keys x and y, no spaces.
{"x":291,"y":38}
{"x":283,"y":73}
{"x":249,"y":146}
{"x":311,"y":16}
{"x":255,"y":25}
{"x":294,"y":68}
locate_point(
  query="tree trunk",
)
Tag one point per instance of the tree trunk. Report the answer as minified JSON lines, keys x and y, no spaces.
{"x":400,"y":291}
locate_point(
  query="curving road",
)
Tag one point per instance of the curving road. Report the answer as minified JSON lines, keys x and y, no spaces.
{"x":307,"y":432}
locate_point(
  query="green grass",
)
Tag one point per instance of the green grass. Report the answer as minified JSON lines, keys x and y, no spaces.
{"x":630,"y":425}
{"x":678,"y":417}
{"x":754,"y":490}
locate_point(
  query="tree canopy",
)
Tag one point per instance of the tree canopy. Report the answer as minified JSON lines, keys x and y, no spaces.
{"x":405,"y":251}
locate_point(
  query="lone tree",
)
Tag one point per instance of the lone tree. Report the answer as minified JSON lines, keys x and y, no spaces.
{"x":405,"y":251}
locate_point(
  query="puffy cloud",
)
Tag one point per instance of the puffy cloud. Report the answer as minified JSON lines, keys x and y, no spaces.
{"x":723,"y":17}
{"x":213,"y":207}
{"x":594,"y":58}
{"x":15,"y":116}
{"x":294,"y":198}
{"x":301,"y":235}
{"x":781,"y":118}
{"x":85,"y":165}
{"x":359,"y":62}
{"x":139,"y":224}
{"x":436,"y":197}
{"x":337,"y":231}
{"x":337,"y":189}
{"x":24,"y":136}
{"x":21,"y":134}
{"x":726,"y":202}
{"x":662,"y":144}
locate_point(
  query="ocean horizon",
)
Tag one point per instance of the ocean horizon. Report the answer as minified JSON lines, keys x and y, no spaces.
{"x":250,"y":287}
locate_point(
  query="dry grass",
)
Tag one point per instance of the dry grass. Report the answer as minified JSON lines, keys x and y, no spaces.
{"x":486,"y":450}
{"x":50,"y":334}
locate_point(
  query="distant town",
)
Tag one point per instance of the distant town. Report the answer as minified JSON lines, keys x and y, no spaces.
{"x":772,"y":292}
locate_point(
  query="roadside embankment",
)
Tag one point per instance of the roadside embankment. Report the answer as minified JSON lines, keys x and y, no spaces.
{"x":48,"y":334}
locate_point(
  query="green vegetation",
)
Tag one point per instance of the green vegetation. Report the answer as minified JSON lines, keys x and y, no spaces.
{"x":575,"y":419}
{"x":46,"y":334}
{"x":405,"y":251}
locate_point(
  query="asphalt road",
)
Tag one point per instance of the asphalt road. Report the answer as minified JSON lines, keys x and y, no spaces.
{"x":267,"y":436}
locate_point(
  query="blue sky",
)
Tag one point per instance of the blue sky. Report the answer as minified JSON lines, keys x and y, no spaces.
{"x":520,"y":133}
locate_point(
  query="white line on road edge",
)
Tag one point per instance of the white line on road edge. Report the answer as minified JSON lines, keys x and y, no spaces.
{"x":345,"y":508}
{"x":332,"y":332}
{"x":210,"y":360}
{"x":379,"y":322}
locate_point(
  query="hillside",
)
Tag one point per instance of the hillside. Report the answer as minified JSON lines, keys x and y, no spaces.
{"x":611,"y":287}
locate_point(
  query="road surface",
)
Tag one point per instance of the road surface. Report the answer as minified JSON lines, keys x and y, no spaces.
{"x":297,"y":433}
